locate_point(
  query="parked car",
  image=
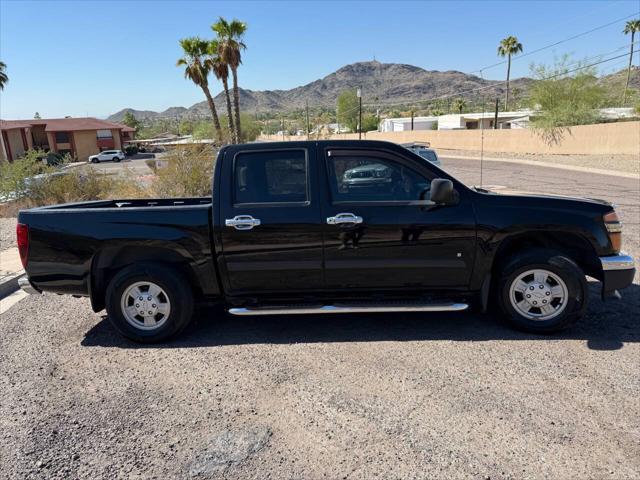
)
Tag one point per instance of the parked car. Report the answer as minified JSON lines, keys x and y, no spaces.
{"x":284,"y":233}
{"x":425,"y":151}
{"x":107,"y":155}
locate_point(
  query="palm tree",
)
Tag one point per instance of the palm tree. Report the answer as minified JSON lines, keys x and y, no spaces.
{"x":197,"y":69}
{"x":221,"y":71}
{"x":3,"y":75}
{"x":631,"y":27}
{"x":459,"y":104}
{"x":230,"y":49}
{"x":508,"y":46}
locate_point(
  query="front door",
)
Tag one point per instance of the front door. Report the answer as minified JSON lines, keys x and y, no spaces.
{"x":271,"y":235}
{"x":376,"y":237}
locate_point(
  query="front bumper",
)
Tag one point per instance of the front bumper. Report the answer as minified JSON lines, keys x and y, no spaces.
{"x":617,"y":272}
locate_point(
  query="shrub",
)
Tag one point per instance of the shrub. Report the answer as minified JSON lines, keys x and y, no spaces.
{"x":130,"y":150}
{"x":69,"y":186}
{"x":188,"y":172}
{"x":16,"y":176}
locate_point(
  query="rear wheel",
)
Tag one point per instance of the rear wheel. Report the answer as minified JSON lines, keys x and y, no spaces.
{"x":542,"y":291}
{"x":149,"y":303}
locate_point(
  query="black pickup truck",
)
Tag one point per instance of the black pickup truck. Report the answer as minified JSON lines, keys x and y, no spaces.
{"x":326,"y":227}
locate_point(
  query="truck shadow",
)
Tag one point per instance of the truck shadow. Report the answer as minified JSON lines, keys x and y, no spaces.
{"x":607,"y":326}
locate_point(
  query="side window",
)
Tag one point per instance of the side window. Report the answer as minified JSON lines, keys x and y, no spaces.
{"x":271,"y":177}
{"x":370,"y":179}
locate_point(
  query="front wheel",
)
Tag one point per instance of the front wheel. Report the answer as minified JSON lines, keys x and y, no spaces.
{"x":149,"y":303}
{"x":542,"y":291}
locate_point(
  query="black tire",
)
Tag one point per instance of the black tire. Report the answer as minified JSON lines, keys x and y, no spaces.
{"x":557,"y":263}
{"x":94,"y":160}
{"x":171,"y":281}
{"x":116,"y":159}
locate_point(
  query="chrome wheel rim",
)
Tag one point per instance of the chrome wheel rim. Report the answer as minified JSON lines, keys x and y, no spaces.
{"x":538,"y":295}
{"x":145,"y":305}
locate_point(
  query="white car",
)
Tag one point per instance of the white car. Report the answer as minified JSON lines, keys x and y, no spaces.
{"x":424,"y":151}
{"x":115,"y":155}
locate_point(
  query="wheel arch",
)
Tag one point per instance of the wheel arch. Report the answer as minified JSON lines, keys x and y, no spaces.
{"x":109,"y":261}
{"x":572,"y":245}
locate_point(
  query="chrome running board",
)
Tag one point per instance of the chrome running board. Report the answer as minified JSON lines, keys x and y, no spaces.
{"x":373,"y":308}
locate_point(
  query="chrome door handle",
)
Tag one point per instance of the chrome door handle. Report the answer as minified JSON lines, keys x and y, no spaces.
{"x":341,"y":218}
{"x":242,"y":222}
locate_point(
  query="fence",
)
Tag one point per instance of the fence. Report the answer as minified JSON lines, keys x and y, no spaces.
{"x":605,"y":139}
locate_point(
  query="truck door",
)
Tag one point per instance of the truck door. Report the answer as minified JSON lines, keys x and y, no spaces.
{"x":376,"y":237}
{"x":269,"y":223}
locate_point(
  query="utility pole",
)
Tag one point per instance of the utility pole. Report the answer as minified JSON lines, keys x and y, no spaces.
{"x":283,"y":128}
{"x":308,"y":126}
{"x":412,"y":120}
{"x":495,"y":116}
{"x":359,"y":95}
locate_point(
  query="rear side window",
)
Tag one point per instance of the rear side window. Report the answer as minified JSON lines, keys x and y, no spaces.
{"x":271,"y":177}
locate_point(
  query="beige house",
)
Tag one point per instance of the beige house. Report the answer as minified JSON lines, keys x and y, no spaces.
{"x":80,"y":137}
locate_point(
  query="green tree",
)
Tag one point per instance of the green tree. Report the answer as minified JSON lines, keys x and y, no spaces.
{"x":563,"y":99}
{"x":508,"y":46}
{"x":37,"y":116}
{"x":197,"y":66}
{"x":459,"y":104}
{"x":130,"y":120}
{"x":369,"y":123}
{"x":230,"y":46}
{"x":631,"y":27}
{"x":186,"y":127}
{"x":4,"y":79}
{"x":221,"y":71}
{"x":348,"y":109}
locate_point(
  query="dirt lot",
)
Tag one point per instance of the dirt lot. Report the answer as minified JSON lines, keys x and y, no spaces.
{"x":358,"y":396}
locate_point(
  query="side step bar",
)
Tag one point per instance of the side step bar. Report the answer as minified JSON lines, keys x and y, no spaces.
{"x":373,"y":308}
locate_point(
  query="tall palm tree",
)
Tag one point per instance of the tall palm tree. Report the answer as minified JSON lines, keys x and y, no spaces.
{"x":3,"y":75}
{"x":197,"y":66}
{"x":459,"y":104}
{"x":631,"y":27}
{"x":230,"y":48}
{"x":221,"y":71}
{"x":508,"y":46}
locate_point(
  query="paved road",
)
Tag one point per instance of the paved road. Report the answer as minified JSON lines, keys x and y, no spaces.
{"x":137,"y":165}
{"x":359,"y":396}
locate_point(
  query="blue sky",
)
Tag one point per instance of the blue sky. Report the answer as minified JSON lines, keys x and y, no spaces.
{"x":94,"y":58}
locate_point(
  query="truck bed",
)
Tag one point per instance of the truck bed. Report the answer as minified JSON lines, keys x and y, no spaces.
{"x":130,"y":203}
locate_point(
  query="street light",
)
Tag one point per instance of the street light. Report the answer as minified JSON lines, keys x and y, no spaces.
{"x":359,"y":95}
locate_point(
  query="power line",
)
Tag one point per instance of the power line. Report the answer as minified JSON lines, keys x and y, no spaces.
{"x":582,"y":67}
{"x":581,"y":34}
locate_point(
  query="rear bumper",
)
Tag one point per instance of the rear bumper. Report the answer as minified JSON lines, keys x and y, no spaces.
{"x":26,"y":286}
{"x":617,"y":272}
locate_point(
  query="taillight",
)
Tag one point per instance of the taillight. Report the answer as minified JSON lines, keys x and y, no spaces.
{"x":614,"y":227}
{"x":22,"y":232}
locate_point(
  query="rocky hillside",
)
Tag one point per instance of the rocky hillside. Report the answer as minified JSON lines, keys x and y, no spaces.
{"x":388,"y":82}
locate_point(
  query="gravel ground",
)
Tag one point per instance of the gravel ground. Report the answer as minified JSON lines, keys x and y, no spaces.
{"x":616,"y":163}
{"x":357,"y":396}
{"x":7,"y":233}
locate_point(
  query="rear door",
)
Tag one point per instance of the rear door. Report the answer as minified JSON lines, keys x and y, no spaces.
{"x":271,"y":231}
{"x":376,"y":237}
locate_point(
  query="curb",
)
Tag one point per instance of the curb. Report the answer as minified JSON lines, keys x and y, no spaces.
{"x":9,"y":284}
{"x":598,"y":171}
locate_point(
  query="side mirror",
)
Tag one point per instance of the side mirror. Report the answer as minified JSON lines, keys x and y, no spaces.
{"x":442,"y":192}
